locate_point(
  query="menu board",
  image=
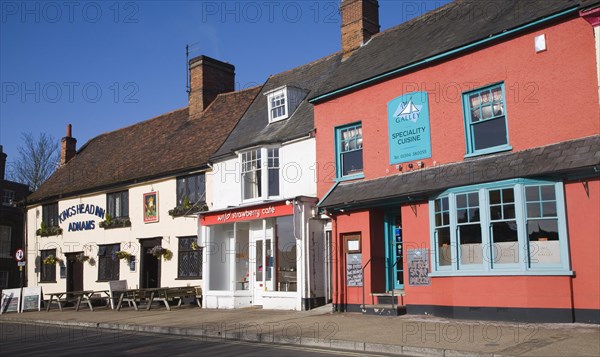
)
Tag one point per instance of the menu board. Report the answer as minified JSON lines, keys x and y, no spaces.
{"x":11,"y":300}
{"x":354,"y":270}
{"x":32,"y":299}
{"x":418,"y":267}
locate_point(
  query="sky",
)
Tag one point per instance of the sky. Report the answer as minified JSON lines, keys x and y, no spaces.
{"x":104,"y":65}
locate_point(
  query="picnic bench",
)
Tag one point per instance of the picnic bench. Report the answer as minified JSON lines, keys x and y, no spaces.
{"x":164,"y":295}
{"x":77,"y":297}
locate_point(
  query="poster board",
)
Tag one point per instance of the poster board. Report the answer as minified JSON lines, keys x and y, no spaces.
{"x":354,"y":270}
{"x":418,"y":267}
{"x":11,"y":300}
{"x":32,"y":299}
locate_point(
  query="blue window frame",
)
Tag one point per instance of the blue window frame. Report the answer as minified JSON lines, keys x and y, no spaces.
{"x":349,"y":153}
{"x":514,"y":227}
{"x":485,"y":120}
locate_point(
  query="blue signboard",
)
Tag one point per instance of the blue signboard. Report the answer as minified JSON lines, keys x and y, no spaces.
{"x":408,"y":125}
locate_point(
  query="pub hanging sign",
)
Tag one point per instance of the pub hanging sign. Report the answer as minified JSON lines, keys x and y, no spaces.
{"x":408,"y":126}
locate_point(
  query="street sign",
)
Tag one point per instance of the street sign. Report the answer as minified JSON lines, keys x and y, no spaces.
{"x":21,"y":264}
{"x":19,"y":255}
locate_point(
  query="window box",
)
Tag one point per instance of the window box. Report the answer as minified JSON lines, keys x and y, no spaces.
{"x":48,"y":231}
{"x":119,"y":222}
{"x":189,"y":209}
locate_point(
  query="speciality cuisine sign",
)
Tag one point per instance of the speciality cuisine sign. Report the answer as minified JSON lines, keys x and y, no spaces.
{"x":409,"y":130}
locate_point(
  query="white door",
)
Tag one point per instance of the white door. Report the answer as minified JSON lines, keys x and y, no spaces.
{"x":262,"y":269}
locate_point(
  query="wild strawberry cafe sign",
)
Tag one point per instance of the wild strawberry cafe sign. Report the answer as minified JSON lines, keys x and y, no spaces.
{"x":275,"y":209}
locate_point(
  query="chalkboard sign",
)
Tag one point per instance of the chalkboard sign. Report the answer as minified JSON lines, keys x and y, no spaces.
{"x":418,"y":267}
{"x":354,"y":269}
{"x":11,"y":300}
{"x":32,"y":299}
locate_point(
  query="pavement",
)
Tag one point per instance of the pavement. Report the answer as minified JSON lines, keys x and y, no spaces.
{"x":408,"y":335}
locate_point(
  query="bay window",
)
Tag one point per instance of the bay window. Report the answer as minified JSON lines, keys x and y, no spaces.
{"x":505,"y":228}
{"x":256,"y":182}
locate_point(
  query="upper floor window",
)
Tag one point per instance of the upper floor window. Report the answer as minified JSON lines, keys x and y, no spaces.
{"x":277,"y":105}
{"x":349,"y":158}
{"x":254,"y":177}
{"x":5,"y":242}
{"x":118,"y":204}
{"x":516,"y":226}
{"x":50,"y":215}
{"x":191,"y":187}
{"x":8,"y":196}
{"x":485,"y":120}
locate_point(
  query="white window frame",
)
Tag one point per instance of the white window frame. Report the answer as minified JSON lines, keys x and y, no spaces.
{"x":523,"y":266}
{"x":264,"y":172}
{"x":271,"y":95}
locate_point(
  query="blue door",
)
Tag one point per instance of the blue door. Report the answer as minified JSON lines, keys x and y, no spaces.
{"x":394,"y":250}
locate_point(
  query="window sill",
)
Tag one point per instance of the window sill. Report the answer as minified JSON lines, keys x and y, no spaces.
{"x":503,"y":273}
{"x":47,"y":282}
{"x":350,"y":177}
{"x":106,"y":281}
{"x":489,"y":151}
{"x":191,"y":278}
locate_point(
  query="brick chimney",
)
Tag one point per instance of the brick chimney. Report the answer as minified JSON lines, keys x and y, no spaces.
{"x":2,"y":164}
{"x":360,"y":21}
{"x":208,"y":78}
{"x":68,"y":147}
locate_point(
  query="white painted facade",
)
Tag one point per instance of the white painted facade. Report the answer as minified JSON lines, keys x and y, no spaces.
{"x":237,"y":250}
{"x":167,"y":230}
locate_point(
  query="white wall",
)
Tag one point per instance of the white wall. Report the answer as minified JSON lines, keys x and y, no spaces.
{"x":167,"y":227}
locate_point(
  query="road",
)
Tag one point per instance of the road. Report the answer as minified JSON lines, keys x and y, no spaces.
{"x":49,"y":340}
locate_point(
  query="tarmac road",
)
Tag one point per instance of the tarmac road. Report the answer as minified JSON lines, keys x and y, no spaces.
{"x":20,"y":339}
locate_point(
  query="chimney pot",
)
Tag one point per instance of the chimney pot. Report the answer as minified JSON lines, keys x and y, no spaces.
{"x":208,"y":78}
{"x":360,"y":21}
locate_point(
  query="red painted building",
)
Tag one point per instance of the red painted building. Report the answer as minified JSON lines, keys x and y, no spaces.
{"x":466,"y":145}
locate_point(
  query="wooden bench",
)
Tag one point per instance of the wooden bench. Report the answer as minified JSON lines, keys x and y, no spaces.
{"x":115,"y":287}
{"x":169,"y":294}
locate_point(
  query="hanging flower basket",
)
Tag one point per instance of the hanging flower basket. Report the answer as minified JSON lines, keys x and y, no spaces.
{"x":52,"y":260}
{"x":121,"y":254}
{"x":159,"y":251}
{"x":195,"y":245}
{"x":81,"y":258}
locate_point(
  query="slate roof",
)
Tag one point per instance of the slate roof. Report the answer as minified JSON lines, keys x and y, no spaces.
{"x":581,"y":155}
{"x":449,"y":27}
{"x":165,"y":145}
{"x":254,"y":128}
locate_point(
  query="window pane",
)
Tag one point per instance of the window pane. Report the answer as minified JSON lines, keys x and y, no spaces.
{"x":532,"y":193}
{"x":490,"y":133}
{"x":286,"y":255}
{"x":470,"y":244}
{"x":461,"y":201}
{"x":509,"y":211}
{"x":505,"y":240}
{"x":533,"y":210}
{"x":508,"y":195}
{"x":495,"y":197}
{"x":461,"y":216}
{"x":274,"y":182}
{"x":544,"y":246}
{"x":444,"y":250}
{"x":549,"y":209}
{"x":548,"y":193}
{"x":352,"y":163}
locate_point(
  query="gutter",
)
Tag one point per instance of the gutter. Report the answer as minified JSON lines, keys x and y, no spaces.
{"x":443,"y":55}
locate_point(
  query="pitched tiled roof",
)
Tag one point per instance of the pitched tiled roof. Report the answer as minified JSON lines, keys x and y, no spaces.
{"x":168,"y":144}
{"x":254,"y":128}
{"x":581,"y":155}
{"x":456,"y":24}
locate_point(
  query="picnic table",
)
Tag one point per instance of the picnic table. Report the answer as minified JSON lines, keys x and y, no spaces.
{"x":159,"y":294}
{"x":77,"y":296}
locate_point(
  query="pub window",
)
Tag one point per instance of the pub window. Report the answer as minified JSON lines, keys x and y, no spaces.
{"x":3,"y":279}
{"x":485,"y":120}
{"x":8,"y":197}
{"x":512,"y":227}
{"x":48,"y":271}
{"x":118,"y":204}
{"x":50,"y":215}
{"x":349,"y":149}
{"x":5,"y":242}
{"x":108,"y":263}
{"x":190,"y":259}
{"x":191,"y":187}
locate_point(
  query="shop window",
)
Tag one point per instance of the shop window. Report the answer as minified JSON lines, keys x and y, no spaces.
{"x":118,"y":204}
{"x":510,"y":227}
{"x":254,"y":177}
{"x":286,"y":254}
{"x":5,"y":242}
{"x":349,"y":153}
{"x":191,"y":187}
{"x":108,"y":263}
{"x":189,"y":265}
{"x":50,"y":215}
{"x":3,"y":279}
{"x":485,"y":120}
{"x":47,"y":271}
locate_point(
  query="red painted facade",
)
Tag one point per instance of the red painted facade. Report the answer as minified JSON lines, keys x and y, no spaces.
{"x":551,"y":97}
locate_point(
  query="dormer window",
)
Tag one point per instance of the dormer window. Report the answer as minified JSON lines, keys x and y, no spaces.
{"x":283,"y":101}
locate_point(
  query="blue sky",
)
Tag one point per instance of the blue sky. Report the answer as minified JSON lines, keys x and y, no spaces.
{"x":103,"y":65}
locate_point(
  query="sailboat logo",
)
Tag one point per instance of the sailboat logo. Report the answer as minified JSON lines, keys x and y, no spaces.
{"x":408,"y":111}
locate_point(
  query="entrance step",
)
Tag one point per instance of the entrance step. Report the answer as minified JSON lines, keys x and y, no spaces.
{"x":383,"y":310}
{"x":386,"y":298}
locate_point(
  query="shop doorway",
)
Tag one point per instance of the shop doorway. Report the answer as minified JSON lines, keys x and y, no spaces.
{"x":394,"y":251}
{"x":74,"y":272}
{"x":149,"y":264}
{"x":262,"y":268}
